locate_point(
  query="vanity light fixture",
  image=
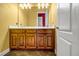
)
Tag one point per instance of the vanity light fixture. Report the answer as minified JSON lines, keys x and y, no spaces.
{"x":43,"y":5}
{"x":25,"y":6}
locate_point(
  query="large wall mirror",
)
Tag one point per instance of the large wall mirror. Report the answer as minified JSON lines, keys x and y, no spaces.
{"x":33,"y":16}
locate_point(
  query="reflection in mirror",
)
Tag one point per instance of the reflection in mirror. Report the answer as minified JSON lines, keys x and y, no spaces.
{"x":28,"y":14}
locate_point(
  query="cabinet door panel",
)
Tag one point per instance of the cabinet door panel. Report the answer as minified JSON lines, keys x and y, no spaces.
{"x":13,"y":41}
{"x":31,"y":41}
{"x":49,"y":41}
{"x":40,"y":41}
{"x":21,"y":40}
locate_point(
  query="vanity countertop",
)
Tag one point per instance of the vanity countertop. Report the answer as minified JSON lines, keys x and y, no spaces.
{"x":26,"y":27}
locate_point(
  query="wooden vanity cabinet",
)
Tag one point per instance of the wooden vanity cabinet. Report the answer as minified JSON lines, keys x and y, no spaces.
{"x":40,"y":41}
{"x":21,"y":41}
{"x":32,"y":38}
{"x":49,"y":41}
{"x":13,"y":41}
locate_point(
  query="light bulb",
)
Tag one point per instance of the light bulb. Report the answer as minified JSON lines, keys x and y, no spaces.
{"x":25,"y":6}
{"x":42,"y":5}
{"x":46,"y":5}
{"x":29,"y":6}
{"x":38,"y":6}
{"x":21,"y":6}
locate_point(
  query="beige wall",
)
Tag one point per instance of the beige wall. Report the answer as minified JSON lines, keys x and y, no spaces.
{"x":52,"y":14}
{"x":8,"y":16}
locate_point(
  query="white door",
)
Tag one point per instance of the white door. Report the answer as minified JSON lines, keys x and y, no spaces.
{"x":64,"y":31}
{"x":75,"y":27}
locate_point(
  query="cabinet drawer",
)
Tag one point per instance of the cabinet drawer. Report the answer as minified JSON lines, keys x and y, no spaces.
{"x":30,"y":31}
{"x":17,"y":31}
{"x":44,"y":31}
{"x":30,"y":35}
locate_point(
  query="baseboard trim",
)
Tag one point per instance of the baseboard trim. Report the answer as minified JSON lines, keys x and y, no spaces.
{"x":4,"y":52}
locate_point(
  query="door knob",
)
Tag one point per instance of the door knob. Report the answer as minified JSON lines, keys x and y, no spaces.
{"x":57,"y":27}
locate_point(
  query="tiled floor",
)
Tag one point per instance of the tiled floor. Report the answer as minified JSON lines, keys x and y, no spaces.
{"x":30,"y":53}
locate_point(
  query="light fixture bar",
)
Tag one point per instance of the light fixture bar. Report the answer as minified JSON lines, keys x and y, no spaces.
{"x":25,"y":6}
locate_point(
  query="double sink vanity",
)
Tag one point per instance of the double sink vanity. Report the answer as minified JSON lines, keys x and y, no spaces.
{"x":31,"y":37}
